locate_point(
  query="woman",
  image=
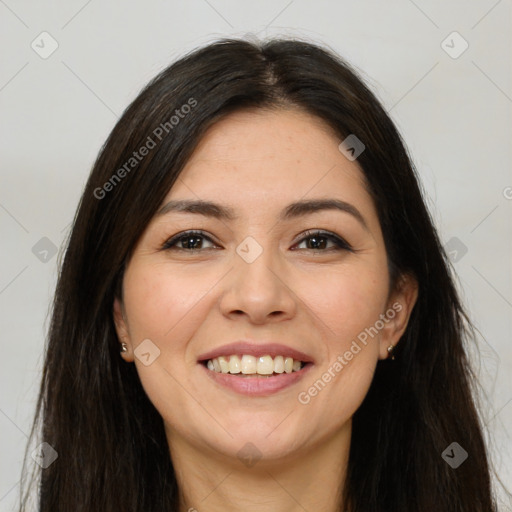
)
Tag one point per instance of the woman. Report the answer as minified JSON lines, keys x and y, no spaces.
{"x":254,"y":311}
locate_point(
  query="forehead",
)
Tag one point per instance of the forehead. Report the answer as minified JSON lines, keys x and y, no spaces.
{"x":265,"y":157}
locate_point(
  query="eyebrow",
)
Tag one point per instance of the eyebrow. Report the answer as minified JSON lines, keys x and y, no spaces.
{"x":292,"y":211}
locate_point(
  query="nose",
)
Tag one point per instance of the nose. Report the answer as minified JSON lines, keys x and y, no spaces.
{"x":260,"y":290}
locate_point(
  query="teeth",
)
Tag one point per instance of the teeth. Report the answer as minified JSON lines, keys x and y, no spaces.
{"x":234,"y":364}
{"x":250,"y":365}
{"x":278,"y":364}
{"x":265,"y":365}
{"x":224,"y":365}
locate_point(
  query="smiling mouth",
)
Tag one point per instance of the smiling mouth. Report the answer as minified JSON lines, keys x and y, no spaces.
{"x":250,"y":366}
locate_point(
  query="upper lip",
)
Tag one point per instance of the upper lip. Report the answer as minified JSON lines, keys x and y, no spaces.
{"x":256,"y":349}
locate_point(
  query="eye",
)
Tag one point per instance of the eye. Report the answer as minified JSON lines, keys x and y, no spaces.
{"x":191,"y":241}
{"x":318,"y":241}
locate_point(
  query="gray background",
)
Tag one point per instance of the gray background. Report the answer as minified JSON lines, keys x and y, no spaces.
{"x":453,"y":110}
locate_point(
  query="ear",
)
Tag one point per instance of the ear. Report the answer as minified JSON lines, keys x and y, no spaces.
{"x":399,"y":308}
{"x":122,"y":329}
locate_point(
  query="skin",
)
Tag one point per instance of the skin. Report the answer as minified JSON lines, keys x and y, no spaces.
{"x":316,"y":300}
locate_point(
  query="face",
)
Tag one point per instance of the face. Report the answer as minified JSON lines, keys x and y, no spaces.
{"x":309,"y":284}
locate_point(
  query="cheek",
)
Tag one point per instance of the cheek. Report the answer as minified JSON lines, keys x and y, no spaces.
{"x":159,"y":302}
{"x":166,"y":308}
{"x":334,"y":394}
{"x":346,"y":300}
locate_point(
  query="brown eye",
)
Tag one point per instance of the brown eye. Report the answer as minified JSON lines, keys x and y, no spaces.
{"x":319,"y":241}
{"x":191,"y":241}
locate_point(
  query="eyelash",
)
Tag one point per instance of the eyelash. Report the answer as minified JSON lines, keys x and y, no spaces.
{"x":341,"y":245}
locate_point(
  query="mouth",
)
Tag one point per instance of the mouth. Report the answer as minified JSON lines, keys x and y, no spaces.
{"x":250,"y":366}
{"x":253,"y":376}
{"x":255,"y":368}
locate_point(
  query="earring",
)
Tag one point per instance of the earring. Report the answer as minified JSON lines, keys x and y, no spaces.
{"x":124,"y":347}
{"x":390,"y":352}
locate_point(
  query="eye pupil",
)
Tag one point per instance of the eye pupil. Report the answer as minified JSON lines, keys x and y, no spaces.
{"x":196,"y":241}
{"x":316,"y":244}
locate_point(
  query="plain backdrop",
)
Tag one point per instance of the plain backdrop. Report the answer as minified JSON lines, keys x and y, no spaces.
{"x":442,"y":69}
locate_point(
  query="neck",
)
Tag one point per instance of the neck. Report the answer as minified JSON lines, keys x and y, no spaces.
{"x":307,"y":479}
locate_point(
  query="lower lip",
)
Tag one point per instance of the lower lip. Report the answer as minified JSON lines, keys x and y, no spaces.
{"x":257,"y":386}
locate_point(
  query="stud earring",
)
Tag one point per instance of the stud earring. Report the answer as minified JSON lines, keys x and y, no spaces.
{"x":390,"y":352}
{"x":124,"y":347}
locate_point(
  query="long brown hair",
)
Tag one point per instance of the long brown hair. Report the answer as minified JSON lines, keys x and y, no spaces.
{"x":111,"y":445}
